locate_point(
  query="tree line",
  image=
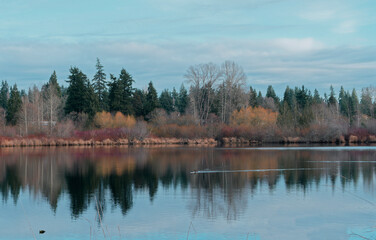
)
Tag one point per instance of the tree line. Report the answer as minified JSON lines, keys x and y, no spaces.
{"x":217,"y":99}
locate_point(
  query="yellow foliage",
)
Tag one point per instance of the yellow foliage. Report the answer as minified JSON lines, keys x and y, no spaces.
{"x":103,"y":119}
{"x":254,"y":117}
{"x":106,"y":120}
{"x":123,"y":121}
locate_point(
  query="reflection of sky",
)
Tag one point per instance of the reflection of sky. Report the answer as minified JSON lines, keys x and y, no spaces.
{"x":322,"y":212}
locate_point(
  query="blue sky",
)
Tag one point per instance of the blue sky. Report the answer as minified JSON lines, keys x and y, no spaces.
{"x":277,"y":42}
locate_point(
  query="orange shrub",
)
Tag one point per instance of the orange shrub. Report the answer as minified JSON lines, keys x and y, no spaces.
{"x":103,"y":119}
{"x":254,"y":117}
{"x":106,"y":120}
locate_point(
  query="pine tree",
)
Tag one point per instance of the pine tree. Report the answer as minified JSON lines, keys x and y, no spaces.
{"x":332,"y":101}
{"x":344,"y":103}
{"x":183,"y":99}
{"x":253,"y":97}
{"x":91,"y":100}
{"x":166,"y":101}
{"x":115,"y":95}
{"x":77,"y":92}
{"x":260,"y":99}
{"x":175,"y":99}
{"x":316,"y":97}
{"x":138,"y":102}
{"x":53,"y":82}
{"x":4,"y":94}
{"x":120,"y":93}
{"x":270,"y":93}
{"x":289,"y":98}
{"x":151,"y":99}
{"x":14,"y":106}
{"x":354,"y":107}
{"x":100,"y":86}
{"x":366,"y":102}
{"x":126,"y":82}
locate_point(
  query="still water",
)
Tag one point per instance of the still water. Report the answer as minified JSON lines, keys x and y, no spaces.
{"x":188,"y":193}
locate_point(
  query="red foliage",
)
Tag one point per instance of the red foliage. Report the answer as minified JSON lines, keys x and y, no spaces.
{"x":359,"y":132}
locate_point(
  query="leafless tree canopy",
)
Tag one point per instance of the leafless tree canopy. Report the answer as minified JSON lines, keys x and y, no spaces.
{"x":203,"y":79}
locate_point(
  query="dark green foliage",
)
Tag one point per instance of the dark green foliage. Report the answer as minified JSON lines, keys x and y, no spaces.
{"x":332,"y":101}
{"x":270,"y":93}
{"x":100,"y":86}
{"x":175,"y":99}
{"x":344,"y":101}
{"x":296,"y":111}
{"x":138,"y":101}
{"x":183,"y":100}
{"x":303,"y":97}
{"x":53,"y":82}
{"x":366,"y":105}
{"x":115,"y":95}
{"x":166,"y":101}
{"x":120,"y":93}
{"x":151,"y":99}
{"x":81,"y":97}
{"x":91,"y":99}
{"x":316,"y":98}
{"x":14,"y":106}
{"x":4,"y":94}
{"x":253,"y":97}
{"x":260,"y":99}
{"x":289,"y":98}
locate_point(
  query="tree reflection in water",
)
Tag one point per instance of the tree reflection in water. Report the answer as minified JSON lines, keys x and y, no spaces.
{"x":112,"y":176}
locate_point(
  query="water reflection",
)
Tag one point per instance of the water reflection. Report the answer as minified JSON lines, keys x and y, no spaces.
{"x":88,"y":175}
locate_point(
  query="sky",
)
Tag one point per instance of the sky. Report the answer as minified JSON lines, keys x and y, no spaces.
{"x":277,"y":42}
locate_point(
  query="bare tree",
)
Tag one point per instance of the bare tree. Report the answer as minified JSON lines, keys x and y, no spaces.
{"x":52,"y":104}
{"x":202,"y":78}
{"x":25,"y":114}
{"x":233,"y":95}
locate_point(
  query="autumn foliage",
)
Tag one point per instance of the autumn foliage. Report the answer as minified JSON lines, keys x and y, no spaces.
{"x":106,"y":120}
{"x":254,"y":117}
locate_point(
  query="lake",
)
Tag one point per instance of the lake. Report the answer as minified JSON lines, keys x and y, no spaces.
{"x":188,"y":193}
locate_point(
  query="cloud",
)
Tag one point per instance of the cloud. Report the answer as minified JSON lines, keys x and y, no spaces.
{"x":319,"y":15}
{"x":293,"y":45}
{"x":346,"y":27}
{"x":280,"y":61}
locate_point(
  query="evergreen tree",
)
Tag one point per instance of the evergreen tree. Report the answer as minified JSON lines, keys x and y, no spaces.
{"x":120,"y":93}
{"x":316,"y":97}
{"x":166,"y":101}
{"x":100,"y":86}
{"x":260,"y":99}
{"x":151,"y":99}
{"x":344,"y":103}
{"x":175,"y":99}
{"x":270,"y":93}
{"x":115,"y":95}
{"x":14,"y":106}
{"x":183,"y":99}
{"x":303,"y":98}
{"x":366,"y":106}
{"x":126,"y":82}
{"x":138,"y":103}
{"x":4,"y":94}
{"x":53,"y":82}
{"x":332,"y":101}
{"x":354,"y":107}
{"x":92,"y":103}
{"x":79,"y":93}
{"x":253,"y":97}
{"x":289,"y":98}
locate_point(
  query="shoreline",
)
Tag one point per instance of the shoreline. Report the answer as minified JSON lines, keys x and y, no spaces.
{"x":203,"y":142}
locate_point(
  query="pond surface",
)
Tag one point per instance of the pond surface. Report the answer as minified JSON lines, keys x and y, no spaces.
{"x":188,"y":193}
